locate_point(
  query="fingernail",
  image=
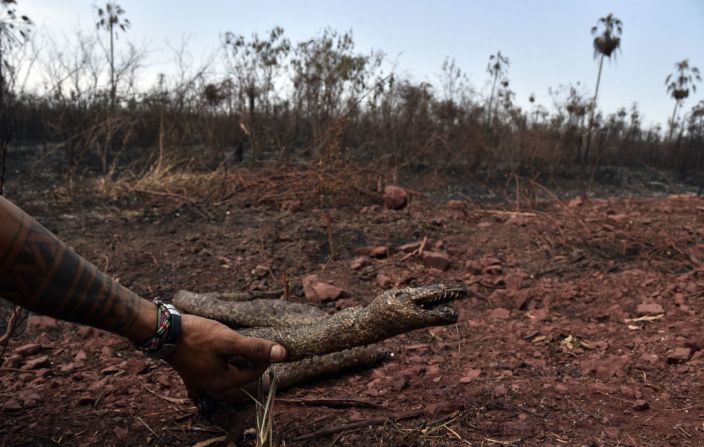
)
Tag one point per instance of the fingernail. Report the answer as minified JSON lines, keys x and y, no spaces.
{"x":277,"y":353}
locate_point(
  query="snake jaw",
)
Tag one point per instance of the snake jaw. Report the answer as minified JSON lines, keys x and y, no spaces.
{"x":431,"y":302}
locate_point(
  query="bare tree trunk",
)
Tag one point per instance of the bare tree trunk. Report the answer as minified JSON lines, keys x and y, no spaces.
{"x":491,"y":99}
{"x":113,"y":89}
{"x":672,"y":120}
{"x":593,"y":111}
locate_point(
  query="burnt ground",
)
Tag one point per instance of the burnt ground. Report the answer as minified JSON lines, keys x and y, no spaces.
{"x":584,"y":326}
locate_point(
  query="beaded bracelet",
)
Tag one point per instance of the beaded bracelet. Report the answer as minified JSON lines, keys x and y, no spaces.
{"x":163,"y":324}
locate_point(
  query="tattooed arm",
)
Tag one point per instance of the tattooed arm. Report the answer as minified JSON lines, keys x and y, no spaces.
{"x":41,"y":273}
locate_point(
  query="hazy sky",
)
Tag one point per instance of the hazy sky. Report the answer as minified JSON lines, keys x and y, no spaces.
{"x":548,"y":41}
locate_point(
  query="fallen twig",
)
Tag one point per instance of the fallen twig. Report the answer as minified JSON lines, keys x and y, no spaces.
{"x":173,"y":400}
{"x":11,"y":325}
{"x":333,"y":403}
{"x":450,"y":406}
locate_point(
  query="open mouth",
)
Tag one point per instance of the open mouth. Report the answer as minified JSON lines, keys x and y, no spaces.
{"x":436,"y":300}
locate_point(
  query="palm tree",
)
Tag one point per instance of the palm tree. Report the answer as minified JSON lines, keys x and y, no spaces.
{"x":607,"y":41}
{"x":679,"y":84}
{"x":110,"y":19}
{"x":497,"y":68}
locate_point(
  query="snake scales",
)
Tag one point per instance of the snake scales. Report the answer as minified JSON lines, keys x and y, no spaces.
{"x":318,"y":343}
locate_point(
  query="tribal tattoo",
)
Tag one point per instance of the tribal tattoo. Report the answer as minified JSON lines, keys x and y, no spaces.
{"x":39,"y":272}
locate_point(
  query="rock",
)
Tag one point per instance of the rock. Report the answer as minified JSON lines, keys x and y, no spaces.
{"x":435,"y":259}
{"x":80,"y":356}
{"x":648,"y":309}
{"x":612,"y":432}
{"x":291,"y":205}
{"x":575,"y":202}
{"x":395,"y":197}
{"x":399,"y":383}
{"x":85,"y":331}
{"x":500,"y":390}
{"x":135,"y":366}
{"x":358,"y":262}
{"x":29,"y":349}
{"x":110,"y":370}
{"x":458,"y":205}
{"x":36,"y":363}
{"x":494,"y":269}
{"x":13,"y":361}
{"x":470,"y":375}
{"x":679,"y":355}
{"x":39,"y":323}
{"x":473,"y":267}
{"x":11,"y":405}
{"x":67,"y":367}
{"x":315,"y":289}
{"x":86,"y":400}
{"x":640,"y":405}
{"x":383,"y":281}
{"x":375,"y":251}
{"x":409,"y":247}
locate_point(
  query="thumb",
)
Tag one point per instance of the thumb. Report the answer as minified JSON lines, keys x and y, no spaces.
{"x":255,"y":349}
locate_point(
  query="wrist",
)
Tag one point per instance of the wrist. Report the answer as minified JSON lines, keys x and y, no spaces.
{"x":145,"y":323}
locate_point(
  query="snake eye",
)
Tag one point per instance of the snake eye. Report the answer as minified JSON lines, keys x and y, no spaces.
{"x":400,"y":294}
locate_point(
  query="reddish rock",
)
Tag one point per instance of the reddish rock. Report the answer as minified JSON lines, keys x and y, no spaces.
{"x":85,"y":331}
{"x":470,"y":375}
{"x":291,"y":205}
{"x":612,"y":432}
{"x":383,"y":281}
{"x":679,"y":355}
{"x":11,"y":405}
{"x":436,"y":260}
{"x":80,"y":356}
{"x":456,"y":204}
{"x":67,"y":367}
{"x":135,"y":366}
{"x":395,"y":197}
{"x":38,"y":362}
{"x":110,"y":370}
{"x":575,"y":202}
{"x":375,"y":251}
{"x":315,"y":289}
{"x":640,"y":405}
{"x":29,"y":349}
{"x":409,"y":247}
{"x":494,"y":269}
{"x":40,"y":323}
{"x":399,"y":383}
{"x":649,"y":309}
{"x":358,"y":262}
{"x":473,"y":267}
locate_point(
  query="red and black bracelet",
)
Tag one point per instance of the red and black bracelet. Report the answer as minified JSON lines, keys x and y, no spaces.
{"x":168,"y":331}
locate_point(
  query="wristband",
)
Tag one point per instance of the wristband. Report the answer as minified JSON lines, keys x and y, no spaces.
{"x":168,"y":331}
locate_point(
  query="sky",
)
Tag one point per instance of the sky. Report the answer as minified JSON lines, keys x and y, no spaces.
{"x":548,"y":42}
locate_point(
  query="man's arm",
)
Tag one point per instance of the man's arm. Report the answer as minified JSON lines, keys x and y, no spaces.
{"x":41,"y":273}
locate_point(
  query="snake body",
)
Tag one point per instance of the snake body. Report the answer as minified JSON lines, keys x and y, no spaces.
{"x":318,"y":343}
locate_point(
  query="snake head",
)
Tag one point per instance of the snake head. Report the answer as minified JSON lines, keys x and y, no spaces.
{"x":428,"y":305}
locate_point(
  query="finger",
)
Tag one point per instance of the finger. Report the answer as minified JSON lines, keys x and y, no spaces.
{"x":257,"y":349}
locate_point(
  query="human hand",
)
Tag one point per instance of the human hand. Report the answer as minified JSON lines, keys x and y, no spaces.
{"x":202,"y":357}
